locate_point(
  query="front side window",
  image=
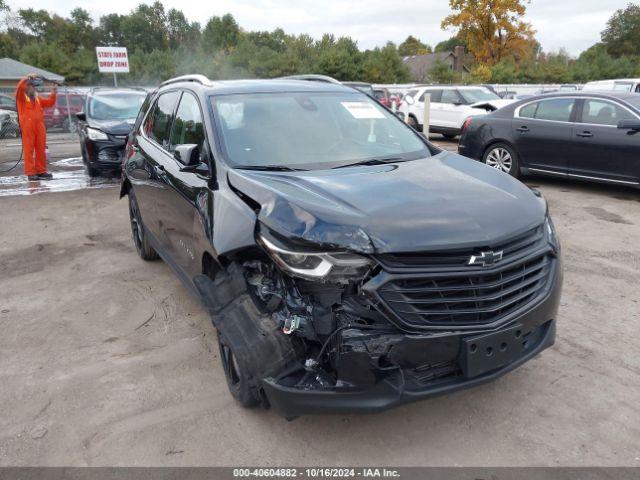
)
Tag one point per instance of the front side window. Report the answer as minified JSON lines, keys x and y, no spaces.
{"x":451,"y":97}
{"x":600,"y":112}
{"x":311,"y":130}
{"x":475,"y":95}
{"x":159,"y":123}
{"x":529,"y":111}
{"x":188,"y":127}
{"x":115,"y":106}
{"x":435,"y":95}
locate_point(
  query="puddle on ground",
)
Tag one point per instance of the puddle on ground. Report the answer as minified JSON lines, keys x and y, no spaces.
{"x":68,"y":174}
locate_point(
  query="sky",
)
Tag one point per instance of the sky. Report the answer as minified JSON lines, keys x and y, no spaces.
{"x":571,"y":24}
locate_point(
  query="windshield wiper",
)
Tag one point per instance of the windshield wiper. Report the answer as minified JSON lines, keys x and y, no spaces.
{"x":272,"y":168}
{"x":372,"y":161}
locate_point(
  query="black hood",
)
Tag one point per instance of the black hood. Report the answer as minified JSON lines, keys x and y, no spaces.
{"x":445,"y":201}
{"x":113,"y":127}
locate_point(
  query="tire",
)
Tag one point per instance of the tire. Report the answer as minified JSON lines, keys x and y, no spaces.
{"x":413,"y":123}
{"x":502,"y":157}
{"x":449,"y":136}
{"x":241,"y":384}
{"x":92,"y":172}
{"x":140,"y":241}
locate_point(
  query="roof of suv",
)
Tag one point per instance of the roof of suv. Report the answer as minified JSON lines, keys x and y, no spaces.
{"x":230,"y":87}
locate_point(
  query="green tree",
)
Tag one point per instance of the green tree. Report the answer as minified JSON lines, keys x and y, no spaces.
{"x":622,"y":35}
{"x":449,"y":45}
{"x":384,"y":65}
{"x":220,"y":33}
{"x":442,"y":73}
{"x":413,"y":46}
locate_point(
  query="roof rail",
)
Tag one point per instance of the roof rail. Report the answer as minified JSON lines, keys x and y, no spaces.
{"x":188,"y":78}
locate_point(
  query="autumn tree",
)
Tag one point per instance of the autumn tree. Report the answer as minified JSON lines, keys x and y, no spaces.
{"x":491,"y":29}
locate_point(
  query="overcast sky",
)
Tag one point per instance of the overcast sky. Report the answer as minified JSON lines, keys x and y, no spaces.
{"x":572,"y":24}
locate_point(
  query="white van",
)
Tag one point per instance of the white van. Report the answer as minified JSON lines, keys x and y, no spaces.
{"x":617,"y":84}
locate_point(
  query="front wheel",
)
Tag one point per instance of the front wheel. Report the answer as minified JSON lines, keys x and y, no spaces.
{"x":502,"y":157}
{"x":239,"y":380}
{"x":140,"y":240}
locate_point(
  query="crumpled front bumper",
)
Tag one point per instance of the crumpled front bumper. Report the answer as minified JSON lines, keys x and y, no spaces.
{"x":392,"y":391}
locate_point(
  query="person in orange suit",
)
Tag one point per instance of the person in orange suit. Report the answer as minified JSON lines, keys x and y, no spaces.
{"x":34,"y":133}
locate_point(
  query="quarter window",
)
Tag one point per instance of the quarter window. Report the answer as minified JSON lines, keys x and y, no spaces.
{"x":599,"y":112}
{"x":435,"y":95}
{"x":529,"y":111}
{"x":188,"y":127}
{"x":158,"y":128}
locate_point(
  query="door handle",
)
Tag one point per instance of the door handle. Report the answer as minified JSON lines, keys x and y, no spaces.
{"x":522,"y":129}
{"x":585,"y":134}
{"x":159,"y":169}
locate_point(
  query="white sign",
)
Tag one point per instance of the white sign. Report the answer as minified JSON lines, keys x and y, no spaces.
{"x":112,"y":59}
{"x":362,"y":110}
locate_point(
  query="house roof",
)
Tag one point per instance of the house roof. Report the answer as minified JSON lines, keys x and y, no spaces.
{"x":11,"y":69}
{"x":421,"y":65}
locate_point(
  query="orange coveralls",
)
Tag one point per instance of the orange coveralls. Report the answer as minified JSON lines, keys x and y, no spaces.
{"x":34,"y":133}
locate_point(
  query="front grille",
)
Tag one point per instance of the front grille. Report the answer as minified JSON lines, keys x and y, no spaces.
{"x":466,"y":298}
{"x":512,"y":249}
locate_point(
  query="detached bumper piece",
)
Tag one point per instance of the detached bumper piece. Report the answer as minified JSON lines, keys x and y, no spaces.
{"x":476,"y":359}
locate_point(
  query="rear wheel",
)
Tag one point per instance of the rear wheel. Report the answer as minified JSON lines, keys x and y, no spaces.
{"x":241,"y":383}
{"x":413,"y":123}
{"x":140,"y":240}
{"x":502,"y":157}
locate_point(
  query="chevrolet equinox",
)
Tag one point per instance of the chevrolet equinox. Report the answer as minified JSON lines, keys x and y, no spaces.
{"x":347,"y":264}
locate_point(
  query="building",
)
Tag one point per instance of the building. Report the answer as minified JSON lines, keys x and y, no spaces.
{"x":420,"y":66}
{"x":11,"y":71}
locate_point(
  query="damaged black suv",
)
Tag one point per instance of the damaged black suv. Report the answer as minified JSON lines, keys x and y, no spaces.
{"x":347,"y":264}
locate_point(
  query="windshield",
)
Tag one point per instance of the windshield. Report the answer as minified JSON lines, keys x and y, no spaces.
{"x":474,"y":95}
{"x":311,"y":130}
{"x":115,"y":106}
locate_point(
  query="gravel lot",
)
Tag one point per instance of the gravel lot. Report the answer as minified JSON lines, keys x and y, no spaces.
{"x":107,"y":360}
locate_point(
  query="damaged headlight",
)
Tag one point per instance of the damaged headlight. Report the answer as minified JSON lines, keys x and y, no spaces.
{"x":95,"y":134}
{"x":552,"y":236}
{"x":336,"y":266}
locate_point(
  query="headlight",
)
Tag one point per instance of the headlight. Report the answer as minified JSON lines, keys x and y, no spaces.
{"x":329,"y":266}
{"x":551,"y":233}
{"x":95,"y":134}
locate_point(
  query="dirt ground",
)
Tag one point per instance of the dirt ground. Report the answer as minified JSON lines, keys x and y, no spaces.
{"x":107,"y":360}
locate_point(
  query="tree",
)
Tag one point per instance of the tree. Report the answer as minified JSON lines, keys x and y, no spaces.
{"x":491,"y":29}
{"x":220,"y":33}
{"x":449,"y":45}
{"x":622,"y":35}
{"x":413,"y":46}
{"x":442,"y":73}
{"x":384,"y":65}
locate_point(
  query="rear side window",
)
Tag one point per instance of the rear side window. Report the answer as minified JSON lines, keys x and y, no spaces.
{"x":600,"y":112}
{"x":188,"y":127}
{"x":159,"y":121}
{"x":556,"y":109}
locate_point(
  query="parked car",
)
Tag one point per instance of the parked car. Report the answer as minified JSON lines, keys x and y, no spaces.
{"x":593,"y":136}
{"x":382,"y":95}
{"x":104,"y":125}
{"x":9,"y":127}
{"x":363,"y":87}
{"x":450,"y":107}
{"x":63,"y":115}
{"x":347,"y":264}
{"x":617,"y":85}
{"x":7,"y":102}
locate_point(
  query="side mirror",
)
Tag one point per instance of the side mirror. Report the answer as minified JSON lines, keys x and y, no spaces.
{"x":187,"y":154}
{"x":81,"y":116}
{"x":633,"y":125}
{"x":409,"y":99}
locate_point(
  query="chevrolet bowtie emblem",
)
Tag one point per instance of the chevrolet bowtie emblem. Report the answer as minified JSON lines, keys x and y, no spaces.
{"x":485,"y":259}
